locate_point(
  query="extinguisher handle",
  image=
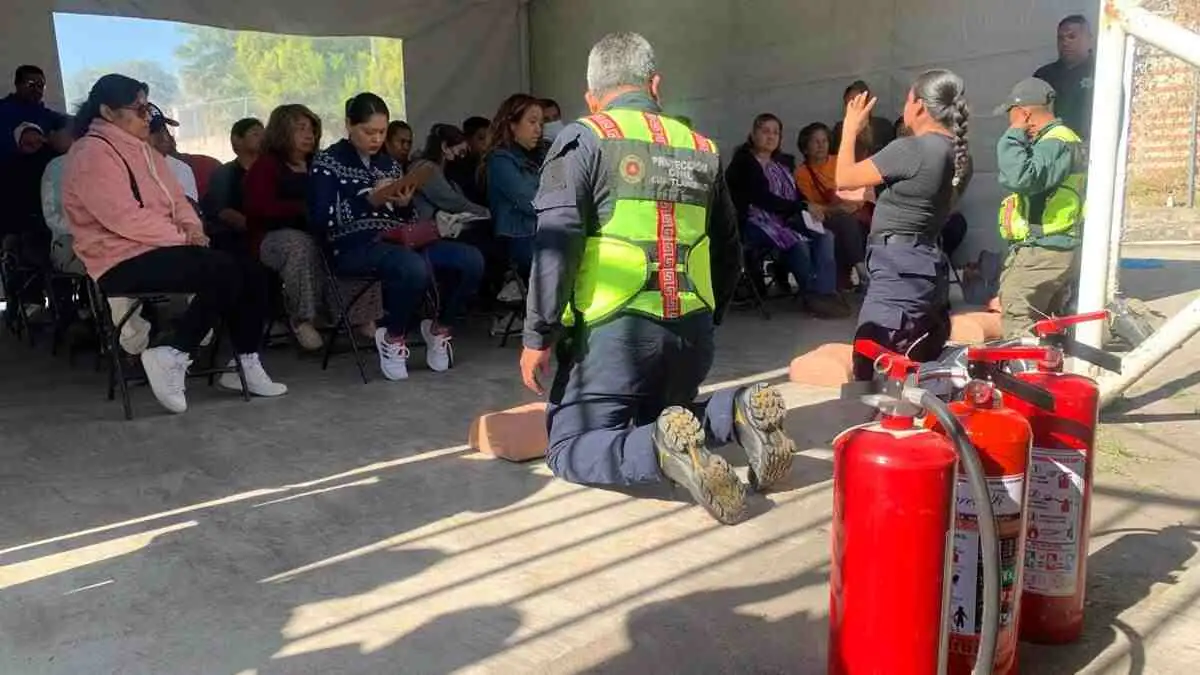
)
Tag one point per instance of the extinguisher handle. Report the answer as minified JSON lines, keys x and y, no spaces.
{"x":1019,"y":353}
{"x":1094,"y":356}
{"x":1058,"y":325}
{"x":887,"y":362}
{"x":1030,"y":393}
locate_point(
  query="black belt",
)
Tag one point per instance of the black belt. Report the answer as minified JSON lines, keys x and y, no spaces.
{"x":904,"y":238}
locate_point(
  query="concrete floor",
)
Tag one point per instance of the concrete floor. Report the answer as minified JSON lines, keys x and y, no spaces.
{"x":346,"y":529}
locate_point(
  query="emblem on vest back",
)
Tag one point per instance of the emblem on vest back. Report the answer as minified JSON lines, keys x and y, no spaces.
{"x":633,"y":170}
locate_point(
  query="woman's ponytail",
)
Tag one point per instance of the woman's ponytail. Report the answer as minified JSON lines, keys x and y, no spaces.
{"x":944,"y":96}
{"x":962,"y":156}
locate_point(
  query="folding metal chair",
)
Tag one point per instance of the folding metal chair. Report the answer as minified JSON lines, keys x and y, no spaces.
{"x":342,"y":310}
{"x":122,"y":374}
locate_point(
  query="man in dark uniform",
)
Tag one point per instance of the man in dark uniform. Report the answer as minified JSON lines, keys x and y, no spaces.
{"x":636,"y":257}
{"x":1071,"y":75}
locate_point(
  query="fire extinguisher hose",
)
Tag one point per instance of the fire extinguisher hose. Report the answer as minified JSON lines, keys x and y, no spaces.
{"x":988,"y":537}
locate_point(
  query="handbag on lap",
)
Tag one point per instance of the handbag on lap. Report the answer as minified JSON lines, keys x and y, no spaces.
{"x":416,"y":234}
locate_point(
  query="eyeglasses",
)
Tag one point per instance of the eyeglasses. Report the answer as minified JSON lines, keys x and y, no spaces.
{"x":142,"y":110}
{"x":34,"y":84}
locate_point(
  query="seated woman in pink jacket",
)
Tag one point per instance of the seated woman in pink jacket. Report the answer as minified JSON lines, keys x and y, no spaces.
{"x":135,"y":232}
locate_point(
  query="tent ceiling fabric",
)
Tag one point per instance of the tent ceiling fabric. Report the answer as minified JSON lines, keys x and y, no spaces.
{"x":461,"y":56}
{"x":390,"y":18}
{"x":725,"y":61}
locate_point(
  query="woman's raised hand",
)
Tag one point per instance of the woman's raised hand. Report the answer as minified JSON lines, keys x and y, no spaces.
{"x":858,"y":111}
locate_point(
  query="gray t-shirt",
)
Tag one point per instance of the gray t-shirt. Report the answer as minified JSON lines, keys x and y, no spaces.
{"x":918,"y":172}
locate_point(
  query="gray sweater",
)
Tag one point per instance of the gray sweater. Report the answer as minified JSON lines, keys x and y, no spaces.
{"x":440,"y":194}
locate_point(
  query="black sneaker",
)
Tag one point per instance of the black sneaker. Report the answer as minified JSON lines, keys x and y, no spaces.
{"x":758,"y":416}
{"x":683,"y":457}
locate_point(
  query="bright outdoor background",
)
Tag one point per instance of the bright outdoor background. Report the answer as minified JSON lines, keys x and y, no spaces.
{"x":208,"y":78}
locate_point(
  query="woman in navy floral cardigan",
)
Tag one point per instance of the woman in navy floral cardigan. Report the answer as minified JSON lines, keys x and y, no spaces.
{"x":355,"y":198}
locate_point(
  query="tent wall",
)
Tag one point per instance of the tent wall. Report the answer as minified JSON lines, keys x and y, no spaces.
{"x":461,"y":56}
{"x":724,"y":61}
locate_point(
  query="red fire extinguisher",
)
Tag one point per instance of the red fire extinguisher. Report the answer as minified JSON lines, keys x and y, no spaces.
{"x":893,"y":533}
{"x":1003,"y":439}
{"x":1060,"y":485}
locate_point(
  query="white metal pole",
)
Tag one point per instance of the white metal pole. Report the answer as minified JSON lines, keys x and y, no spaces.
{"x":1162,"y":33}
{"x":1119,"y":189}
{"x":1104,"y":150}
{"x":1171,"y":336}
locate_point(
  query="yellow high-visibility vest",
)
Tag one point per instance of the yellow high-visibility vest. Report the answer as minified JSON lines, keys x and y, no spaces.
{"x":1061,"y":209}
{"x":651,"y":256}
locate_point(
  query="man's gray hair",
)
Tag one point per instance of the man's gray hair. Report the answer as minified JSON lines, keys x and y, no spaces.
{"x":620,"y":60}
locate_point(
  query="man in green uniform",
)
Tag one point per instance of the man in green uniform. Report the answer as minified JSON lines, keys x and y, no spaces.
{"x":1043,"y":163}
{"x":636,"y":257}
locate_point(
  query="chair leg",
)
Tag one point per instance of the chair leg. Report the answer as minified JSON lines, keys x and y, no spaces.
{"x":342,"y":311}
{"x":56,"y":317}
{"x":214,"y":350}
{"x":112,"y":374}
{"x":241,"y":373}
{"x":512,"y":319}
{"x":756,"y":298}
{"x":100,"y":315}
{"x":118,"y":376}
{"x":358,"y":359}
{"x":115,"y":352}
{"x":329,"y":344}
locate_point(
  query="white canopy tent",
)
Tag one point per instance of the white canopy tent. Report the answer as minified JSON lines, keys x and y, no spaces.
{"x":723,"y":61}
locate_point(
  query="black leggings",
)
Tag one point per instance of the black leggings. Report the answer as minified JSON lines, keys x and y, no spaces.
{"x":225,"y":286}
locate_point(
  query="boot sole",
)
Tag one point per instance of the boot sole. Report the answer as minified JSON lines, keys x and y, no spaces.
{"x":767,"y":413}
{"x":717,"y":488}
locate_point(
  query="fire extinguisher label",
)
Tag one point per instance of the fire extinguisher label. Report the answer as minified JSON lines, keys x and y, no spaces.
{"x":1055,"y":520}
{"x":966,"y":581}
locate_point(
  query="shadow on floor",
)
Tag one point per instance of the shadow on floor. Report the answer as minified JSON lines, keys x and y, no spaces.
{"x":715,"y":632}
{"x":237,"y":574}
{"x":816,"y":425}
{"x":440,"y":646}
{"x":1120,"y":575}
{"x":1162,"y":392}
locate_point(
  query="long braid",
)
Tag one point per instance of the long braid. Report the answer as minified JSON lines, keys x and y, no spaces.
{"x":960,"y":118}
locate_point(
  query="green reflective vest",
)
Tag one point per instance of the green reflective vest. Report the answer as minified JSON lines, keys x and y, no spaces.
{"x":1056,"y":212}
{"x":651,"y":255}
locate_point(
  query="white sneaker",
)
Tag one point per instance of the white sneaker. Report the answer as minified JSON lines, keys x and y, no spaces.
{"x":439,"y":354}
{"x":393,"y":356}
{"x":258,"y":382}
{"x":166,"y":369}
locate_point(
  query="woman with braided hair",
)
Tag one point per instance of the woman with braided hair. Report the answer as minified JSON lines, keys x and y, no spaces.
{"x":907,"y":306}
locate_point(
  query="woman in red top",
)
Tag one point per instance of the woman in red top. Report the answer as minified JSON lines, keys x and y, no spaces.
{"x":276,"y":189}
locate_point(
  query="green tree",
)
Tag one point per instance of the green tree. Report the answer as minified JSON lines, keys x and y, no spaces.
{"x":164,"y":86}
{"x":208,"y":65}
{"x":255,"y":72}
{"x":321,"y":72}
